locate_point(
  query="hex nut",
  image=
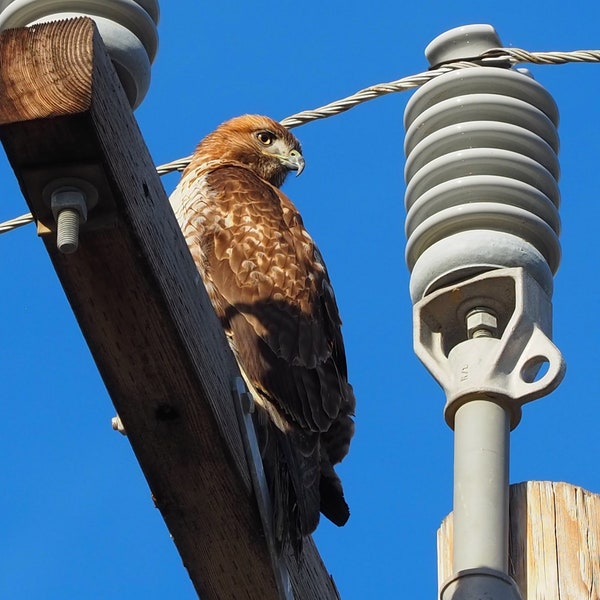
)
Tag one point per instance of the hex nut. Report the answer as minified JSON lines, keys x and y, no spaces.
{"x":481,"y":322}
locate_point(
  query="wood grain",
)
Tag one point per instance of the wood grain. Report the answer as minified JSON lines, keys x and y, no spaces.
{"x":554,"y":542}
{"x":141,"y":306}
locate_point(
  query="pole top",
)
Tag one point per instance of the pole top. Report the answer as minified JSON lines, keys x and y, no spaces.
{"x":128,"y":29}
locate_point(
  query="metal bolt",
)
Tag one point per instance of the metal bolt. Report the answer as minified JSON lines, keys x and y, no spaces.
{"x":70,"y":209}
{"x":481,"y":322}
{"x":67,"y":230}
{"x":117,"y":425}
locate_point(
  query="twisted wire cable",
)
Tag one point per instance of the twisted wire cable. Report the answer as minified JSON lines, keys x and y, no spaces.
{"x":494,"y":57}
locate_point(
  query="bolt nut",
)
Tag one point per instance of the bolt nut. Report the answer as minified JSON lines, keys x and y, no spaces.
{"x":117,"y":425}
{"x":68,"y":197}
{"x":69,"y":209}
{"x":481,"y":322}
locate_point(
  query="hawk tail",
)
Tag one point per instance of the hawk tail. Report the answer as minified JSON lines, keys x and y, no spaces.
{"x":332,"y":502}
{"x":291,"y":463}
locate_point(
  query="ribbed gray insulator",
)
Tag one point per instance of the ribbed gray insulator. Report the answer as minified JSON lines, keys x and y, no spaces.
{"x":481,"y":171}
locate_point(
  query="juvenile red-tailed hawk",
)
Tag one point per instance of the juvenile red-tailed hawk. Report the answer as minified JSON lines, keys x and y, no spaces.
{"x":270,"y":289}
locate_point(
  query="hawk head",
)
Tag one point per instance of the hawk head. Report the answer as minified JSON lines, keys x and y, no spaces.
{"x":261,"y":143}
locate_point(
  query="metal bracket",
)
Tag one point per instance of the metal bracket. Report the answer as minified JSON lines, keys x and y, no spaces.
{"x":472,"y":584}
{"x":505,"y":369}
{"x":244,"y":406}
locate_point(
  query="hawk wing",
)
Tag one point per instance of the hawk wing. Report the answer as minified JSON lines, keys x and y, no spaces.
{"x":265,"y":274}
{"x":270,"y":288}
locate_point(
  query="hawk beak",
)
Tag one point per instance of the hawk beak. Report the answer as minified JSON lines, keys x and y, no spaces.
{"x":293,"y":161}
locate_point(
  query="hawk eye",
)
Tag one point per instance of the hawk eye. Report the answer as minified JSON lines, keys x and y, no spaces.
{"x":265,"y":137}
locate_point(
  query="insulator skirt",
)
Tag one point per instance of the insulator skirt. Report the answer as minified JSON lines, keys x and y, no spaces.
{"x":482,"y":178}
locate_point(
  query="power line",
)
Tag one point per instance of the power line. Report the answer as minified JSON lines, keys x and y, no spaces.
{"x":493,"y":57}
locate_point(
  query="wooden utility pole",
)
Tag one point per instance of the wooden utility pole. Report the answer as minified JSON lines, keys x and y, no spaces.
{"x":554,"y":549}
{"x":138,"y":299}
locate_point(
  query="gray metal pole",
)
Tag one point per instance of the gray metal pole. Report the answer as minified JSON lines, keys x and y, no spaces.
{"x":484,"y":358}
{"x":481,"y":452}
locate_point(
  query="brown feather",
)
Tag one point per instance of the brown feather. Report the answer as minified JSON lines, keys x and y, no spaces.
{"x":270,"y":288}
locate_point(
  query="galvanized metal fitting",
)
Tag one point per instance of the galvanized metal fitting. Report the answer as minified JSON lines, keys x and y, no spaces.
{"x":453,"y":338}
{"x":70,"y":200}
{"x":69,"y":210}
{"x":244,"y":407}
{"x":480,"y":583}
{"x":117,"y":425}
{"x":481,"y":322}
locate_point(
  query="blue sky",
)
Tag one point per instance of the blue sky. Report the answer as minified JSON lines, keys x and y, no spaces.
{"x":77,"y":517}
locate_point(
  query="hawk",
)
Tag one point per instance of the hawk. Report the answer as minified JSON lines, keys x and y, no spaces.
{"x":270,"y":289}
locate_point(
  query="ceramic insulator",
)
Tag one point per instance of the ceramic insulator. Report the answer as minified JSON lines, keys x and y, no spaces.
{"x":481,"y":170}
